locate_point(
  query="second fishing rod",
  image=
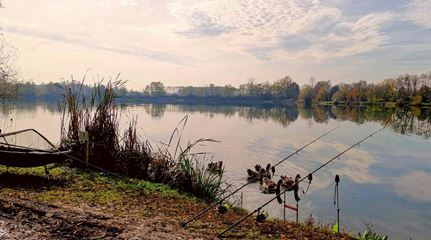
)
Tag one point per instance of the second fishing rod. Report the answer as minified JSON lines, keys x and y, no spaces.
{"x":249,"y":182}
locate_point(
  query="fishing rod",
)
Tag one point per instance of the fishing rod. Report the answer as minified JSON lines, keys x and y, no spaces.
{"x":249,"y":182}
{"x":297,"y":182}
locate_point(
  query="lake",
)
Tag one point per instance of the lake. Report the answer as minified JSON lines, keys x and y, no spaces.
{"x":385,"y":181}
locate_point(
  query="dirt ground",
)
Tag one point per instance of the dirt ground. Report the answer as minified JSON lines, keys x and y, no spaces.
{"x":79,"y":206}
{"x":31,"y":220}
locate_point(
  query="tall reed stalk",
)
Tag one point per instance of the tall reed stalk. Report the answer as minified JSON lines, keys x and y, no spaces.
{"x":127,"y":153}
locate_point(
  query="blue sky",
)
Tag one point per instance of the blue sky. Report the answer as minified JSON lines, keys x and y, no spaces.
{"x":183,"y":42}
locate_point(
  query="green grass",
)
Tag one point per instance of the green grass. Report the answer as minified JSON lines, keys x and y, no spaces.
{"x":135,"y":198}
{"x":74,"y":185}
{"x":371,"y":235}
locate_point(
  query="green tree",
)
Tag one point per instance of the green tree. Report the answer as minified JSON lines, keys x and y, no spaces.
{"x":285,"y":88}
{"x":333,"y":90}
{"x":321,"y":91}
{"x":358,"y":91}
{"x":229,"y":91}
{"x":343,"y":93}
{"x":389,"y":91}
{"x":425,"y":87}
{"x":155,"y":89}
{"x":306,"y":95}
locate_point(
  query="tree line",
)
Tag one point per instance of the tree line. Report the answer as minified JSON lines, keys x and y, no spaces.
{"x":406,"y":89}
{"x":284,"y":88}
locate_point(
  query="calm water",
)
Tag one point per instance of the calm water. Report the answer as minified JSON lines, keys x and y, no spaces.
{"x":385,"y":181}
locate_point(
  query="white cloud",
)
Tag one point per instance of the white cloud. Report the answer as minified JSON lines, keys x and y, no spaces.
{"x":418,"y":11}
{"x":262,"y":24}
{"x":186,"y":42}
{"x":264,"y":19}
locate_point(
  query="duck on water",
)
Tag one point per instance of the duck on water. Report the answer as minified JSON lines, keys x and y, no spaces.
{"x":288,"y":184}
{"x":260,"y":173}
{"x":264,"y":175}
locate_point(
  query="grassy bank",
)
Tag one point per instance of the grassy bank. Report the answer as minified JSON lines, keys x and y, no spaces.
{"x":142,"y":209}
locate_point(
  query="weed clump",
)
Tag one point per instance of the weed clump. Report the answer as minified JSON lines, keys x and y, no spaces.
{"x":126,"y":153}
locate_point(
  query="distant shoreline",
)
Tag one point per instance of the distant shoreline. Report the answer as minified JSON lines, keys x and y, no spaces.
{"x":207,"y":100}
{"x":255,"y":101}
{"x":241,"y":101}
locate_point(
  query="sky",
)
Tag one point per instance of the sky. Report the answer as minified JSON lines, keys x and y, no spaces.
{"x":182,"y":42}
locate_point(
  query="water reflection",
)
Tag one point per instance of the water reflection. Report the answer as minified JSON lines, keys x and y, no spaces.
{"x":28,"y":108}
{"x":385,"y":179}
{"x":155,"y":110}
{"x":401,"y":120}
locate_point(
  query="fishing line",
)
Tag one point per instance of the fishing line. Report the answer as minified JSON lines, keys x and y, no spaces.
{"x":296,"y":183}
{"x":252,"y":180}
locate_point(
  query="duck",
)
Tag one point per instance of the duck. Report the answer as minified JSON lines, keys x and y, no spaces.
{"x":260,"y":172}
{"x":268,"y":172}
{"x":252,"y":175}
{"x":288,"y":184}
{"x":216,"y":167}
{"x":268,"y":186}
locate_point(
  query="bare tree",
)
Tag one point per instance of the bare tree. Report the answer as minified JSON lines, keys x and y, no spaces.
{"x":8,"y":80}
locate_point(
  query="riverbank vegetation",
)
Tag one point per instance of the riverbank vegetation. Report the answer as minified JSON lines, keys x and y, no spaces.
{"x":407,"y":89}
{"x":404,"y":90}
{"x":125,"y":153}
{"x":84,"y":204}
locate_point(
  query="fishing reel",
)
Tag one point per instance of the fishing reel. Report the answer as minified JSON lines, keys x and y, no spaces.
{"x":262,"y":216}
{"x":223,"y":208}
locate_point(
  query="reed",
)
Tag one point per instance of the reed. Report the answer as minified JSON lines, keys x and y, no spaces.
{"x":95,"y":113}
{"x":194,"y":176}
{"x":129,"y":154}
{"x":187,"y":170}
{"x":133,"y":156}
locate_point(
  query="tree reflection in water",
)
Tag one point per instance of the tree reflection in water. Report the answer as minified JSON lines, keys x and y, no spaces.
{"x":401,"y":120}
